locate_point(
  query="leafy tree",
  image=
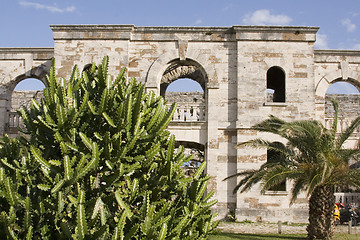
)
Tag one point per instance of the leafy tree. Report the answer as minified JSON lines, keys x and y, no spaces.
{"x":99,"y":164}
{"x":313,"y":158}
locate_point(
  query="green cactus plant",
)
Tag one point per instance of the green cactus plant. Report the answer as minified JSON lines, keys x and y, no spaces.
{"x":99,"y":164}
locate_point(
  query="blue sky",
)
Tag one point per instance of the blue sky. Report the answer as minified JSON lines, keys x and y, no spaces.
{"x":25,"y":23}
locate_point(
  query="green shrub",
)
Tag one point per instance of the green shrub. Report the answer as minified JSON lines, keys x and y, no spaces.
{"x":99,"y":164}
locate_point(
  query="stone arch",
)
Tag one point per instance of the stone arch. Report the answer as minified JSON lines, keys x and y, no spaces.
{"x":188,"y":108}
{"x":11,"y":86}
{"x":182,"y":69}
{"x":37,"y":72}
{"x":21,"y":72}
{"x":321,"y":88}
{"x":335,"y":76}
{"x":22,"y":98}
{"x":159,"y":66}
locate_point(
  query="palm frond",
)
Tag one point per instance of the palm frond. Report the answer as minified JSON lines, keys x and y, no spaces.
{"x":336,"y":114}
{"x":347,"y":133}
{"x":242,"y":183}
{"x":271,"y":125}
{"x":303,"y":133}
{"x":314,"y":182}
{"x":275,"y":176}
{"x":352,"y":178}
{"x":348,"y":154}
{"x":239,"y":174}
{"x":250,"y":177}
{"x":298,"y":186}
{"x":253,"y":179}
{"x":312,"y":156}
{"x":247,"y":176}
{"x":255,"y":143}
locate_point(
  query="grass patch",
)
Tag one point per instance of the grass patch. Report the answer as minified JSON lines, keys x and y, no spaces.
{"x":295,"y":224}
{"x":245,"y":221}
{"x":245,"y":236}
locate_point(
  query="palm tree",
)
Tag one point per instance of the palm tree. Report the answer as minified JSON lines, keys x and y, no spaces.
{"x":313,"y":158}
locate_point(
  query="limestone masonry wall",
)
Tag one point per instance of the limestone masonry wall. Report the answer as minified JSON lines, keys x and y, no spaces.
{"x":349,"y":105}
{"x":23,"y":98}
{"x":236,"y":67}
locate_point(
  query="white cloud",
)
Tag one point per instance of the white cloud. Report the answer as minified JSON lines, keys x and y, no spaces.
{"x":227,"y":7}
{"x":197,"y":22}
{"x":264,"y":17}
{"x":354,"y":14}
{"x":350,"y":27}
{"x":47,"y":7}
{"x":321,"y":41}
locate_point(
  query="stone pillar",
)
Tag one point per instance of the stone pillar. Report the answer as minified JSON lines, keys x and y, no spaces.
{"x":212,"y":146}
{"x":4,"y":114}
{"x":149,"y":86}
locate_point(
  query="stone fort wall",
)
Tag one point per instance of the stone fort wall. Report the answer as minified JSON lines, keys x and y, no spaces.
{"x":234,"y":65}
{"x":349,"y":104}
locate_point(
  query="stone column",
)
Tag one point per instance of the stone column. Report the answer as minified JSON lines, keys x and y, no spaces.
{"x":212,"y":146}
{"x":4,"y":114}
{"x":150,"y":86}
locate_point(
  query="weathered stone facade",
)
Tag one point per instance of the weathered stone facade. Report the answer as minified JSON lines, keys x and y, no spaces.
{"x":236,"y":66}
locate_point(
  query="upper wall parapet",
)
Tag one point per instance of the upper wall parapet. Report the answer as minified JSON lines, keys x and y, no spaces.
{"x":18,"y":53}
{"x":331,"y":56}
{"x":91,"y":32}
{"x":214,"y":34}
{"x":16,"y":64}
{"x":276,"y":33}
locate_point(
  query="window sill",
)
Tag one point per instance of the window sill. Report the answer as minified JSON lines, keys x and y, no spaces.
{"x":277,"y":193}
{"x":275,"y":104}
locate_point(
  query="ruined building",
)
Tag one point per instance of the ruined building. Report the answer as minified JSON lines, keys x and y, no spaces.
{"x":236,"y":67}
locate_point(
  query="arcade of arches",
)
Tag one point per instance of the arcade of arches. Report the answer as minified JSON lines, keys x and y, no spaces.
{"x":246,"y":73}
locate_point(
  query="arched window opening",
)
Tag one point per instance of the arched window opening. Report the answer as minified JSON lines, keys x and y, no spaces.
{"x":348,"y":97}
{"x":30,"y":84}
{"x":24,"y":91}
{"x":189,"y":97}
{"x":183,"y":82}
{"x":187,"y":69}
{"x":275,"y":85}
{"x":184,"y":85}
{"x":343,"y":88}
{"x":274,"y":157}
